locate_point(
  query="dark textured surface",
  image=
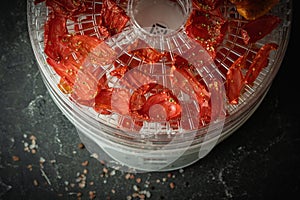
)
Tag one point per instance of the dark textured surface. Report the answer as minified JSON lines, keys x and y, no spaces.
{"x":261,"y":160}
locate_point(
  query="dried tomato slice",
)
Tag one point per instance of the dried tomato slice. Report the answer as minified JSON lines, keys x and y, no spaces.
{"x":259,"y":28}
{"x":113,"y":18}
{"x":55,"y":29}
{"x":162,"y":106}
{"x":78,"y":78}
{"x":208,"y":29}
{"x":138,"y":98}
{"x":143,"y":51}
{"x":235,"y":80}
{"x":120,"y":101}
{"x":259,"y":62}
{"x":135,"y":79}
{"x":120,"y":71}
{"x":85,"y":88}
{"x":113,"y":100}
{"x":253,"y":9}
{"x":67,"y":8}
{"x":206,"y":5}
{"x":103,"y":101}
{"x":190,"y":82}
{"x":148,"y":54}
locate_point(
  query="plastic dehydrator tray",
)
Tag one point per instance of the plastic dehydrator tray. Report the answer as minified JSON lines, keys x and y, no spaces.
{"x":89,"y":122}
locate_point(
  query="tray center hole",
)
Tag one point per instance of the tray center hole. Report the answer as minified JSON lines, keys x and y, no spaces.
{"x":159,"y":17}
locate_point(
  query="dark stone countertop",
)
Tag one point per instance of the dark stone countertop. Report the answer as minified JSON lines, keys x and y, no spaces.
{"x":261,"y":160}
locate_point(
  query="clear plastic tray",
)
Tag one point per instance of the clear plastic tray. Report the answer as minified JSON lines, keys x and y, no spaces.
{"x":157,"y":146}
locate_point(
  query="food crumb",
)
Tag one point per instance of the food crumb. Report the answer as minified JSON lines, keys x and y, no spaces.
{"x":81,"y":146}
{"x":94,"y":155}
{"x":127,"y":176}
{"x":135,"y":188}
{"x":85,"y":171}
{"x":35,"y":182}
{"x":92,"y":194}
{"x":128,"y":198}
{"x":85,"y":163}
{"x":105,"y":170}
{"x":79,"y":195}
{"x":42,"y":160}
{"x":29,"y":167}
{"x":15,"y":158}
{"x":52,"y":161}
{"x":172,"y":185}
{"x":138,"y":180}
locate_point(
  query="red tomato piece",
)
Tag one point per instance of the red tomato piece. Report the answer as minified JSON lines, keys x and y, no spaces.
{"x":259,"y":28}
{"x":67,"y":72}
{"x":103,"y":101}
{"x":207,"y":29}
{"x":217,"y":98}
{"x":85,"y":88}
{"x":259,"y":62}
{"x":119,"y":71}
{"x":162,"y":106}
{"x":253,"y":9}
{"x":148,"y":54}
{"x":78,"y":78}
{"x":113,"y":19}
{"x":134,"y":79}
{"x":112,"y":100}
{"x":120,"y":101}
{"x":65,"y":86}
{"x":102,"y":82}
{"x":190,"y":83}
{"x":67,"y":8}
{"x":83,"y":44}
{"x":235,"y":80}
{"x":138,"y":98}
{"x":55,"y":29}
{"x":206,"y":5}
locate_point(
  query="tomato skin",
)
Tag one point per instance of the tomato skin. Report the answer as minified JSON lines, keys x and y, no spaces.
{"x":114,"y":18}
{"x":166,"y":107}
{"x":85,"y":88}
{"x":235,"y":80}
{"x":138,"y":98}
{"x":208,"y":29}
{"x":259,"y":28}
{"x":77,"y":77}
{"x":119,"y":72}
{"x":148,"y":54}
{"x":259,"y":62}
{"x":206,"y":5}
{"x":103,"y":101}
{"x":112,"y":100}
{"x":120,"y":101}
{"x":67,"y":8}
{"x":253,"y":9}
{"x":55,"y":28}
